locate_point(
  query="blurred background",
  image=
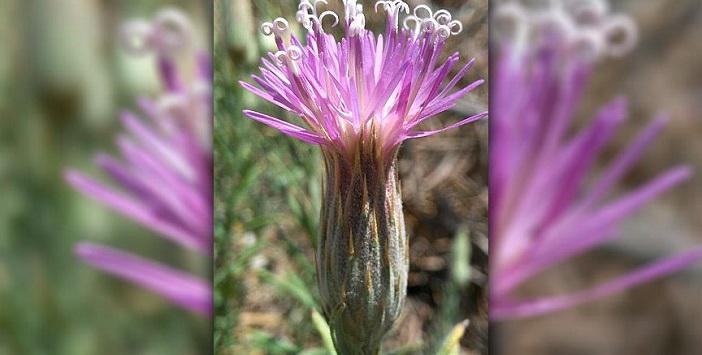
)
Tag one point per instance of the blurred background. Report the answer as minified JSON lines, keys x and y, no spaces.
{"x":267,"y":195}
{"x":63,"y":81}
{"x":663,"y":74}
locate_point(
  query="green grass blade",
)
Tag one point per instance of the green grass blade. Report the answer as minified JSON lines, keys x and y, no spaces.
{"x":324,"y":331}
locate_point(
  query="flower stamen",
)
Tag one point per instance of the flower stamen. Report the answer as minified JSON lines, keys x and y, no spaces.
{"x":168,"y":32}
{"x":586,"y":27}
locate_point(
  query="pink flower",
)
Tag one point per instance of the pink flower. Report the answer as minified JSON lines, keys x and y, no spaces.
{"x":542,"y":210}
{"x":164,"y":178}
{"x":359,"y":98}
{"x":383,"y":86}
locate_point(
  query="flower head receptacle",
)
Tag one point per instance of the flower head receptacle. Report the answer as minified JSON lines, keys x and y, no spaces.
{"x":362,"y":256}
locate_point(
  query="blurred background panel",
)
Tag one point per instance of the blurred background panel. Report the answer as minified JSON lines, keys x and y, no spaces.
{"x":662,"y":74}
{"x":63,"y":81}
{"x":267,"y":195}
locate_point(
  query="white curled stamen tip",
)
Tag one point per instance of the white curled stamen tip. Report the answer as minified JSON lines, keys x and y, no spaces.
{"x":443,"y":32}
{"x":306,"y":15}
{"x":512,"y":23}
{"x":590,"y":12}
{"x":303,"y":17}
{"x":381,"y":2}
{"x":429,"y":13}
{"x":393,"y":6}
{"x":403,"y":7}
{"x":172,"y":29}
{"x":280,"y":24}
{"x":553,"y":22}
{"x":135,"y":37}
{"x":430,"y":25}
{"x":443,"y":17}
{"x":277,"y":27}
{"x":456,"y":27}
{"x":290,"y":54}
{"x":267,"y":28}
{"x":406,"y":22}
{"x":588,"y":43}
{"x":334,"y":16}
{"x":306,"y":6}
{"x":424,"y":20}
{"x":620,"y":35}
{"x":317,"y":2}
{"x":294,"y":53}
{"x":281,"y":57}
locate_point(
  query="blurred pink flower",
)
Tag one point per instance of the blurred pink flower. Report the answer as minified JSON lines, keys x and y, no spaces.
{"x":542,"y":210}
{"x":164,"y":177}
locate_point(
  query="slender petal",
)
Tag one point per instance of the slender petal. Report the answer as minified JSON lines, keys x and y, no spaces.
{"x":133,"y":209}
{"x":285,"y":127}
{"x":550,"y":304}
{"x":178,"y":287}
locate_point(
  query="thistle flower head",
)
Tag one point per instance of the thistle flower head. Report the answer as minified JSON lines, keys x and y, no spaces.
{"x":363,"y":86}
{"x":359,"y":97}
{"x":163,"y":179}
{"x":542,"y":209}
